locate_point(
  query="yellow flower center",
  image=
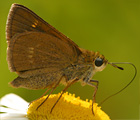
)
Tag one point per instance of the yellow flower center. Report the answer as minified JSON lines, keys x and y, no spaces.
{"x":68,"y":108}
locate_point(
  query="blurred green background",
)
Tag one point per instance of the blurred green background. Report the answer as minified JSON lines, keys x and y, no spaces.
{"x":109,"y":26}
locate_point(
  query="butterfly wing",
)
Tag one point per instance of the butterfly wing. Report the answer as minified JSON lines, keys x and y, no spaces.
{"x":37,"y":50}
{"x":21,"y":19}
{"x":34,"y":44}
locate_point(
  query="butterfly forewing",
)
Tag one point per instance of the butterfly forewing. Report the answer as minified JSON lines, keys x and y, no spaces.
{"x":21,"y":19}
{"x":35,"y":50}
{"x":34,"y":44}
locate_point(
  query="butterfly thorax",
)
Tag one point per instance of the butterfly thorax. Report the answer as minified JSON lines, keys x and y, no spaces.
{"x":84,"y":68}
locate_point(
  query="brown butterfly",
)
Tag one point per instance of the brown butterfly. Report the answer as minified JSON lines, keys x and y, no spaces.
{"x":43,"y":57}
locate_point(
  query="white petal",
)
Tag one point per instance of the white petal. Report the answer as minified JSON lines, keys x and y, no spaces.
{"x":16,"y":108}
{"x":11,"y":110}
{"x":13,"y":101}
{"x":12,"y":116}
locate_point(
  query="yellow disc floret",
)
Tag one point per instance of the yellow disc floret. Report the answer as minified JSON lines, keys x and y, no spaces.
{"x":68,"y":108}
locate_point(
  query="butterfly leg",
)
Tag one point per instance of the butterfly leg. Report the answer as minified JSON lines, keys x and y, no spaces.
{"x":75,"y":80}
{"x":49,"y":93}
{"x":41,"y":96}
{"x":96,"y":88}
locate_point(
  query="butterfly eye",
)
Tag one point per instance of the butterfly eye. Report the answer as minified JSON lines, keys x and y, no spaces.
{"x":98,"y":62}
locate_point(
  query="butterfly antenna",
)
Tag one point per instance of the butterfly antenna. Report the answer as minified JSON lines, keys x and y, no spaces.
{"x":113,"y":64}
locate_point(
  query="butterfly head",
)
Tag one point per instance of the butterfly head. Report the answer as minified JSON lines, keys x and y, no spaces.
{"x":99,"y":62}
